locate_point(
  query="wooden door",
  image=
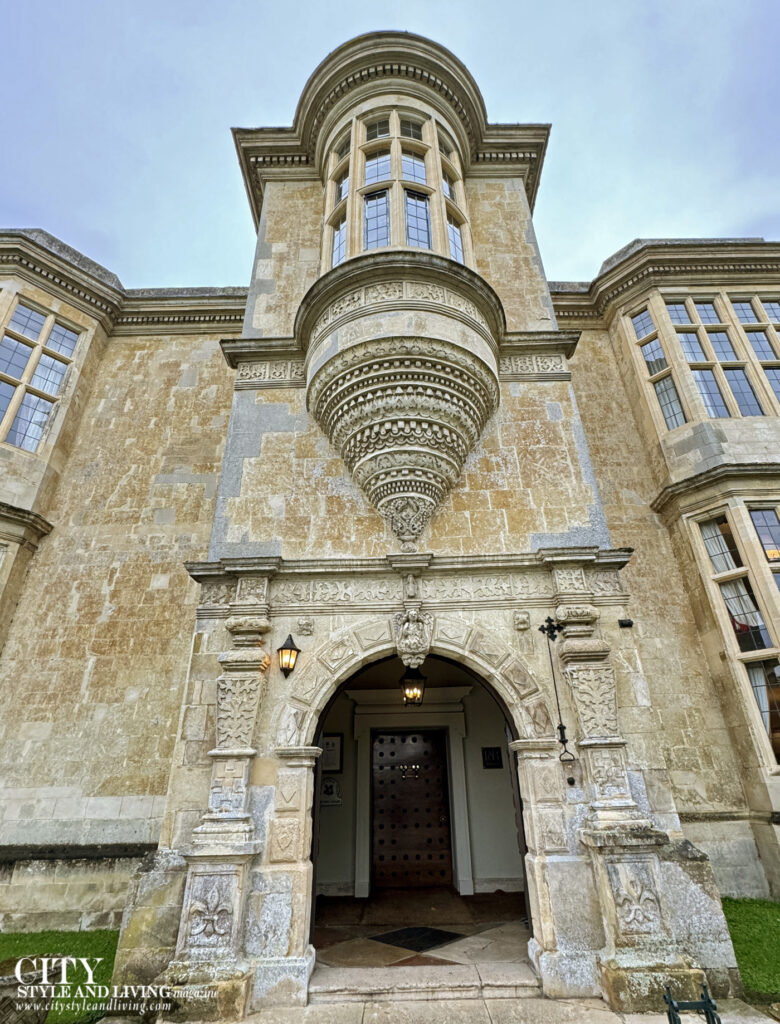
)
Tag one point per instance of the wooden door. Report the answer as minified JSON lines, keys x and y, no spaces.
{"x":411,"y":845}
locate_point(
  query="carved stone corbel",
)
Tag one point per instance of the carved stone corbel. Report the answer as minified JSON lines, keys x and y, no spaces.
{"x":412,"y":633}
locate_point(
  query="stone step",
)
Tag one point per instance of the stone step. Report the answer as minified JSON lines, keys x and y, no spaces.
{"x":389,"y":984}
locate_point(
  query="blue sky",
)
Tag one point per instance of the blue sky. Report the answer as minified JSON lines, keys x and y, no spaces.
{"x":665,"y":117}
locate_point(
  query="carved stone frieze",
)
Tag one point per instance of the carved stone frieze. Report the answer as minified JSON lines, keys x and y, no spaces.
{"x":412,"y":632}
{"x":218,"y":593}
{"x":329,"y":592}
{"x":604,"y":582}
{"x":495,"y":587}
{"x":594,"y":694}
{"x":271,"y":373}
{"x":404,"y":413}
{"x":407,"y":293}
{"x":532,"y":366}
{"x":570,"y":581}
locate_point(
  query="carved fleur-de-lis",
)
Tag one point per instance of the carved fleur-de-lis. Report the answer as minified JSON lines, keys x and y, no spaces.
{"x":211,"y":918}
{"x":638,"y":904}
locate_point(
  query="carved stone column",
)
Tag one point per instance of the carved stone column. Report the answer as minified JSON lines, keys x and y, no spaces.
{"x":657,"y":897}
{"x":209,"y":950}
{"x":591,"y":679}
{"x":562,"y":898}
{"x":279,"y":912}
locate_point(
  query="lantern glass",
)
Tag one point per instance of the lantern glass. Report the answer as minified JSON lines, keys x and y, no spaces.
{"x":288,"y":655}
{"x":413,"y":686}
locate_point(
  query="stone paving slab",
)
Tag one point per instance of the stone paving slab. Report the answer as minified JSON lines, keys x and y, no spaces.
{"x":488,"y":1011}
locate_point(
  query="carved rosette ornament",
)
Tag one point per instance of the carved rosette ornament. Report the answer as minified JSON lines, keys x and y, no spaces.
{"x":404,"y":413}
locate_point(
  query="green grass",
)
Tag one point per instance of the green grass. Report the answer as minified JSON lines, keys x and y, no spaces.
{"x":88,"y":944}
{"x":755,"y":932}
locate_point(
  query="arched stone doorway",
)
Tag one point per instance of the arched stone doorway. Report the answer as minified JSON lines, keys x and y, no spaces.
{"x":417,"y":825}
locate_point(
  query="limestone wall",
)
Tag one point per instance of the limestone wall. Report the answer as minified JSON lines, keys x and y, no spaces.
{"x":284,"y":491}
{"x":98,"y":649}
{"x":670,"y":706}
{"x":67,"y":895}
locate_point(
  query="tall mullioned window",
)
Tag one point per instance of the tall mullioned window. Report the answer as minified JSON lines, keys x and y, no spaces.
{"x":35,"y":352}
{"x":394,"y":179}
{"x":735,"y":364}
{"x":736,"y":586}
{"x":658,"y":369}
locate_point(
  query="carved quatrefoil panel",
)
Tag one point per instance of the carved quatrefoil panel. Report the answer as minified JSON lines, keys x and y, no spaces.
{"x":404,"y":413}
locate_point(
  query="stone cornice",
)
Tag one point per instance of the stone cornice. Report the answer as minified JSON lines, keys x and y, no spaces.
{"x":398,"y":62}
{"x":277,"y":567}
{"x":21,"y":524}
{"x":48,"y":263}
{"x":181,"y":311}
{"x":643,"y":264}
{"x":727,"y":477}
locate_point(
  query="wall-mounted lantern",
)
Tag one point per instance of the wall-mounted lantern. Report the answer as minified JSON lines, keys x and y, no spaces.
{"x":413,"y":686}
{"x":288,"y":655}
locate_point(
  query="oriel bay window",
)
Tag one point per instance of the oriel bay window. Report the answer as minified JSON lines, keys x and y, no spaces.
{"x":735,"y":576}
{"x":731,"y":347}
{"x":35,"y":352}
{"x":658,"y":369}
{"x":394,"y":180}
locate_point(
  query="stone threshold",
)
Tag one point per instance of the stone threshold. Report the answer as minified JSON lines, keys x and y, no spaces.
{"x":392,"y":984}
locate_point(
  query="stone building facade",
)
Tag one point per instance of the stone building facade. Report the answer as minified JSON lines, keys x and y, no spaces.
{"x":404,"y":447}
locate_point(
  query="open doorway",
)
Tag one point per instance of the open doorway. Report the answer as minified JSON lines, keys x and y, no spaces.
{"x":418,"y":846}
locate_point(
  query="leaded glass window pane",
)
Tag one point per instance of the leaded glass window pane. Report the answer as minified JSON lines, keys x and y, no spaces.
{"x":27,"y":322}
{"x":62,"y":340}
{"x":413,"y":167}
{"x":691,"y":346}
{"x":654,"y":356}
{"x":643,"y":323}
{"x":343,"y":149}
{"x":745,"y":312}
{"x":377,"y":167}
{"x":48,"y":374}
{"x":339,"y":241}
{"x":760,"y":344}
{"x":28,"y":424}
{"x":342,"y":187}
{"x":669,"y":401}
{"x":411,"y":129}
{"x":773,"y":376}
{"x":743,"y":392}
{"x":678,"y":313}
{"x":707,"y":312}
{"x":768,"y":529}
{"x":765,"y":683}
{"x":418,"y":221}
{"x":719,"y":541}
{"x":378,"y":129}
{"x":724,"y":351}
{"x":376,"y":230}
{"x":746,"y":620}
{"x":456,"y":240}
{"x":14,"y":356}
{"x":710,"y":393}
{"x":448,"y":185}
{"x":772,"y":309}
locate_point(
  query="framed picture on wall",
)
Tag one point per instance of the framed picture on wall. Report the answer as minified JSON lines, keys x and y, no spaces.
{"x":332,"y":752}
